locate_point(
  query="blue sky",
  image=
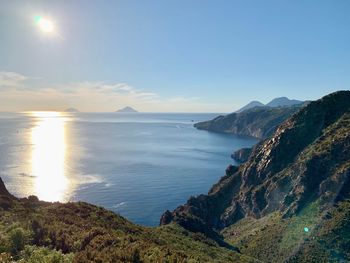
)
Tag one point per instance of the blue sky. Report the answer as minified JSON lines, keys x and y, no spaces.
{"x":167,"y":55}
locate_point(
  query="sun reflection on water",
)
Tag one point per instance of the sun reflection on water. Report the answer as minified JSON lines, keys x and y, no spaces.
{"x":48,"y":138}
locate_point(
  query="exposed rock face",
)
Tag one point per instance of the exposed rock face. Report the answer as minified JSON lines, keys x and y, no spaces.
{"x":259,"y":122}
{"x":166,"y":218}
{"x":241,"y":155}
{"x":6,"y":199}
{"x":306,"y":159}
{"x":231,"y":169}
{"x":3,"y":190}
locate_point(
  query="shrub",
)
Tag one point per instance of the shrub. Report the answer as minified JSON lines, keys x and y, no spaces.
{"x":34,"y":254}
{"x":17,"y":240}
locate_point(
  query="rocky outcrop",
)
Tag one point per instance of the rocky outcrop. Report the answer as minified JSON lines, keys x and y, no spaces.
{"x":259,"y":122}
{"x":6,"y":199}
{"x":241,"y":155}
{"x":3,"y":190}
{"x":306,"y":159}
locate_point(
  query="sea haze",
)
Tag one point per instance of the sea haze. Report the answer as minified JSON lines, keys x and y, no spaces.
{"x":136,"y":164}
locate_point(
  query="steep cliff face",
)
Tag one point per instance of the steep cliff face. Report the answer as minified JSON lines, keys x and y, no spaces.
{"x":241,"y":155}
{"x":3,"y":190}
{"x":259,"y":122}
{"x":307,"y":159}
{"x":6,"y":199}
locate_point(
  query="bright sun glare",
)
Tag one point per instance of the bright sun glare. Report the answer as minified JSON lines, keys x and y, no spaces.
{"x":44,"y":24}
{"x":48,"y":156}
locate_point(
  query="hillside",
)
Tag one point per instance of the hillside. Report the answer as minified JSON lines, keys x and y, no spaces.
{"x":289,"y":201}
{"x":36,"y":231}
{"x":259,"y":122}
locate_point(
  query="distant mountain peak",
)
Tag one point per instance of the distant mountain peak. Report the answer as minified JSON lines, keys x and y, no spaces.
{"x":276,"y":102}
{"x":250,"y":105}
{"x":282,"y":101}
{"x":127,"y":109}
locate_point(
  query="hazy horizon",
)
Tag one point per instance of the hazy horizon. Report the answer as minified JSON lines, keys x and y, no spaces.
{"x":72,"y":109}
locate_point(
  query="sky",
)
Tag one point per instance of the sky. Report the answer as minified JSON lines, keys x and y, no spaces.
{"x":171,"y":55}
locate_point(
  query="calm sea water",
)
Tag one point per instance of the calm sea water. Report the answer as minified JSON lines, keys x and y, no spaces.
{"x":137,"y":165}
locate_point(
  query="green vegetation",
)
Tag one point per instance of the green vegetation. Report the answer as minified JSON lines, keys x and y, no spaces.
{"x":272,"y":238}
{"x":34,"y":231}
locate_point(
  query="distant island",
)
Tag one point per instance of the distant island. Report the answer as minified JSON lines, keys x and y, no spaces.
{"x":71,"y":110}
{"x":127,"y":109}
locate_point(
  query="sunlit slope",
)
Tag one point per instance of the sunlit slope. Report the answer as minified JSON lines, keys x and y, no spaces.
{"x":86,"y":233}
{"x":292,"y":181}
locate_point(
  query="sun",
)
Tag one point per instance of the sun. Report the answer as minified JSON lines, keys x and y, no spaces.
{"x":44,"y":24}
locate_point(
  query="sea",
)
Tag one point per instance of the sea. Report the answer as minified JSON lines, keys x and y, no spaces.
{"x":135,"y":164}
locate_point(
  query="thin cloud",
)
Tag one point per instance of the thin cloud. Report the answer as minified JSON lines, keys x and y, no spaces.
{"x":89,"y":96}
{"x":11,"y":79}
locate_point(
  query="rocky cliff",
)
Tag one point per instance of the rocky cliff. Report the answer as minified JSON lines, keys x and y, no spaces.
{"x":259,"y":122}
{"x":305,"y":161}
{"x":241,"y":155}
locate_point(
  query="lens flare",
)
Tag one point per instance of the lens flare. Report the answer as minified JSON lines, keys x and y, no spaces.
{"x":44,"y":24}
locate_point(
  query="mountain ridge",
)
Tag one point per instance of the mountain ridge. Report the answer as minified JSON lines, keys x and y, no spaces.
{"x":258,"y":122}
{"x":306,"y":162}
{"x":250,"y":105}
{"x":276,"y":102}
{"x":282,"y":102}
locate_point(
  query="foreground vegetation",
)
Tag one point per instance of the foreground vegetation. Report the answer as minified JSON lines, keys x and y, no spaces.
{"x":35,"y":231}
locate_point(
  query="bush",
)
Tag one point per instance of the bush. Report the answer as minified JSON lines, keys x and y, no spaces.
{"x":34,"y":254}
{"x":17,"y":240}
